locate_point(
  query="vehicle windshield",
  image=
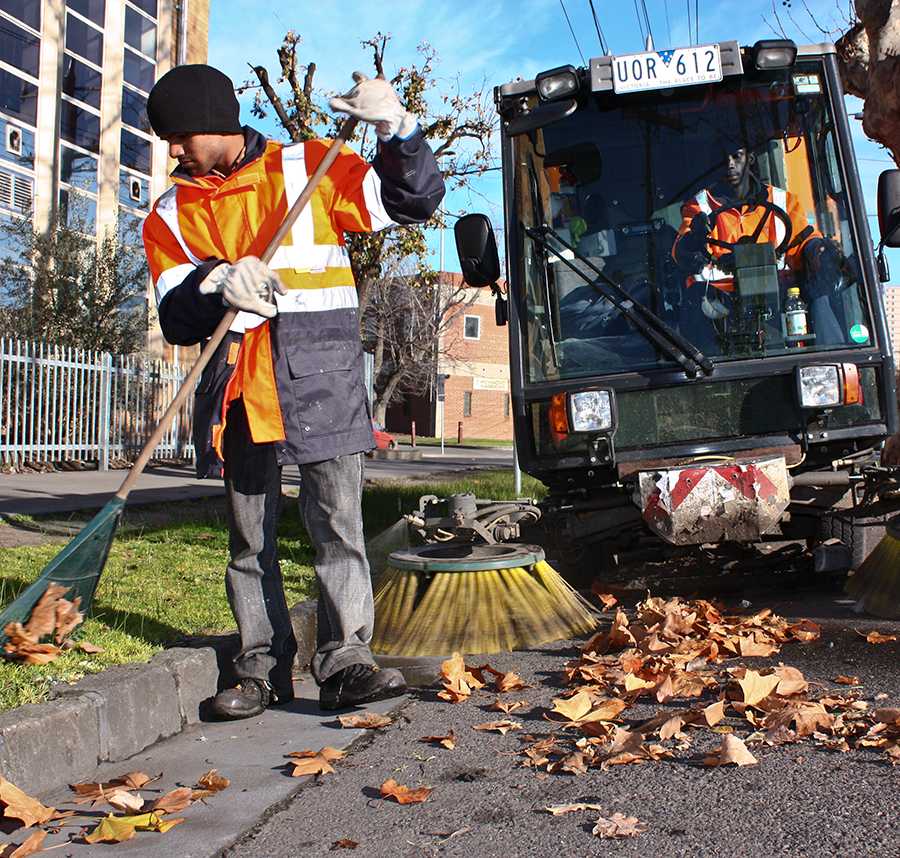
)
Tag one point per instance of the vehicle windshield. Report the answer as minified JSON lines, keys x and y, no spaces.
{"x":721,"y":208}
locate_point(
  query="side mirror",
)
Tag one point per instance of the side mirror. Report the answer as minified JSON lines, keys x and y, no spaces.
{"x":477,"y":250}
{"x":544,"y":114}
{"x":889,"y":207}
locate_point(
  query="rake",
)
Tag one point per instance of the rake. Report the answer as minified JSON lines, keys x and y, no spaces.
{"x":79,"y":565}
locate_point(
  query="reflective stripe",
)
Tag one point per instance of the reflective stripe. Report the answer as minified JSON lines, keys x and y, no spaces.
{"x":313,"y":258}
{"x":293,"y":165}
{"x":372,"y":193}
{"x":778,"y":197}
{"x":315,"y":279}
{"x":167,"y":209}
{"x":170,"y":278}
{"x":318,"y":300}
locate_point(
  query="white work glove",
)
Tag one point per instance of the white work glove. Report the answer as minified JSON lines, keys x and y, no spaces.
{"x":247,"y":285}
{"x":374,"y":101}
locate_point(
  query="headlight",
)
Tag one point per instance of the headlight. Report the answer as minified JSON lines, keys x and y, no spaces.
{"x":820,"y":386}
{"x":557,"y":83}
{"x":591,"y":411}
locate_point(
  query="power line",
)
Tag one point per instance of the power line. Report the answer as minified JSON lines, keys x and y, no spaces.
{"x":697,"y":21}
{"x":637,"y":13}
{"x":690,"y":25}
{"x":604,"y":45}
{"x":572,"y":31}
{"x":647,"y":19}
{"x":668,"y":24}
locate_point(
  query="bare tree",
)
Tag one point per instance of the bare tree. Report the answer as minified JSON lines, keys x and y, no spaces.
{"x":391,"y":267}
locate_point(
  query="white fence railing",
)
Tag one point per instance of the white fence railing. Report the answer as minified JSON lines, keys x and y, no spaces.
{"x":59,"y":403}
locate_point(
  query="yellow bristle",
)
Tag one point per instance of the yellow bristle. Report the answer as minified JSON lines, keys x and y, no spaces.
{"x":876,"y":584}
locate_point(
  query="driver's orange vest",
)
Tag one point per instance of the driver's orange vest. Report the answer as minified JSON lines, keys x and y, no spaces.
{"x":734,"y":223}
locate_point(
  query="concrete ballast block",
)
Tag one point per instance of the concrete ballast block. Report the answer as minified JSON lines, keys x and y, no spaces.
{"x":138,"y":706}
{"x":43,"y":745}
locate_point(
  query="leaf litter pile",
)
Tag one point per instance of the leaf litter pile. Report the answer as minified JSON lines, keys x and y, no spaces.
{"x":682,"y":657}
{"x":128,"y":796}
{"x":45,"y":635}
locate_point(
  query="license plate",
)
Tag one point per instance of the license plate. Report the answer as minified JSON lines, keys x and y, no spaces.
{"x":665,"y":69}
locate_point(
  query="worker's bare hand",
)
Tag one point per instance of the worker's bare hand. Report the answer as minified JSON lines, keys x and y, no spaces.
{"x":246,"y":285}
{"x":374,"y":101}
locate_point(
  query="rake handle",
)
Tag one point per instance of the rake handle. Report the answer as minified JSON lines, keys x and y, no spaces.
{"x":221,"y":330}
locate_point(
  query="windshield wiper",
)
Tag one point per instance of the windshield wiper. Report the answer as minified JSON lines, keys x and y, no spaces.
{"x":537,"y":212}
{"x":678,"y":347}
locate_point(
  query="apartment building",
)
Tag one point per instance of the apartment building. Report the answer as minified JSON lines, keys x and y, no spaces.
{"x":75,"y":141}
{"x":474,"y":365}
{"x":892,"y":312}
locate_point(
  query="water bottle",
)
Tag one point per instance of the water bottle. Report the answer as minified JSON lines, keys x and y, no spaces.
{"x":796,"y":320}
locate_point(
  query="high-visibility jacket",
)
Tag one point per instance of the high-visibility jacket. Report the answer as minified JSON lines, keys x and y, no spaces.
{"x":734,"y":223}
{"x":300,"y":374}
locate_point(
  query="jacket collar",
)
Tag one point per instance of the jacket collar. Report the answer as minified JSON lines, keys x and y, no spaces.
{"x":254,"y":146}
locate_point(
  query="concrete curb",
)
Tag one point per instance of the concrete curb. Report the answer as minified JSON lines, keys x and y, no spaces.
{"x":110,"y":716}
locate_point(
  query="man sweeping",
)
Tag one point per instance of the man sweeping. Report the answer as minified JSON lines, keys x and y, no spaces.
{"x":286,"y":385}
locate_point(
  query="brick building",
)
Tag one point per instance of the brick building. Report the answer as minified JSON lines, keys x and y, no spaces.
{"x":474,"y":357}
{"x":75,"y":141}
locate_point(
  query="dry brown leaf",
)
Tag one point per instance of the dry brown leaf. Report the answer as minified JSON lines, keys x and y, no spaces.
{"x":212,"y":782}
{"x":574,"y":764}
{"x":366,"y":721}
{"x":714,"y":713}
{"x":173,"y":801}
{"x":42,"y":621}
{"x":31,"y":845}
{"x":732,"y":752}
{"x":573,"y":708}
{"x":875,"y":637}
{"x":329,"y":753}
{"x":618,"y":826}
{"x":448,"y":741}
{"x":887,"y":715}
{"x":89,"y":648}
{"x":842,"y":679}
{"x":607,"y":599}
{"x":790,"y":681}
{"x":68,"y":618}
{"x":807,"y":717}
{"x":458,"y":680}
{"x":315,"y":765}
{"x":403,"y":794}
{"x":893,"y":755}
{"x":18,"y":805}
{"x":503,"y":727}
{"x":560,"y":809}
{"x":98,"y":792}
{"x":509,"y":682}
{"x":507,"y":706}
{"x":804,"y":631}
{"x":635,"y":683}
{"x":344,"y":843}
{"x":756,"y":687}
{"x":125,"y":801}
{"x":749,"y":646}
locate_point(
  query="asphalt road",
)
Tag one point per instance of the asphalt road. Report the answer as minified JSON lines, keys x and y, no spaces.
{"x":800,"y":800}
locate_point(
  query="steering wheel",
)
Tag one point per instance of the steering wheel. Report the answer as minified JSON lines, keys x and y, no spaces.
{"x":771,"y":209}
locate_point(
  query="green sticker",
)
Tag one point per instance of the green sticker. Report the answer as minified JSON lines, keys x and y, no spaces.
{"x":859,"y":334}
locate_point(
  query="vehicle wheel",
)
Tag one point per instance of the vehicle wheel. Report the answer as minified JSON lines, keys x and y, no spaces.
{"x":861,"y":533}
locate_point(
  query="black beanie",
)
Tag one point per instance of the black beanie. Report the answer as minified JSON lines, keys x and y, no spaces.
{"x":193,"y":99}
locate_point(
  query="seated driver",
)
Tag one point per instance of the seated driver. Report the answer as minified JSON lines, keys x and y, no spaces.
{"x":739,"y":197}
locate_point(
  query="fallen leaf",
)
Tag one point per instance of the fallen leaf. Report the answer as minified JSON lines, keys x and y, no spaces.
{"x":458,"y":680}
{"x":887,"y":715}
{"x":805,"y":631}
{"x":877,"y":637}
{"x":344,"y":843}
{"x":790,"y":681}
{"x":749,"y":646}
{"x":366,"y":721}
{"x":756,"y":687}
{"x":315,"y":765}
{"x":403,"y":794}
{"x":329,"y":753}
{"x":509,"y":682}
{"x":68,"y":618}
{"x":507,"y":707}
{"x":846,"y":680}
{"x":125,"y":801}
{"x":18,"y":805}
{"x":635,"y":683}
{"x":807,"y":716}
{"x":98,"y":792}
{"x":714,"y":713}
{"x":211,"y":783}
{"x":173,"y":802}
{"x":573,"y":708}
{"x":732,"y":752}
{"x":560,"y":809}
{"x":607,"y":599}
{"x":502,"y":727}
{"x":42,"y":621}
{"x":448,"y":741}
{"x":29,"y":846}
{"x":89,"y":648}
{"x":618,"y":826}
{"x":893,"y":754}
{"x":671,"y":727}
{"x":117,"y":829}
{"x":574,"y":764}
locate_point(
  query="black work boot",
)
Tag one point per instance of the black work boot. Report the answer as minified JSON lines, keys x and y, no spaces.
{"x":248,"y":698}
{"x":360,"y":683}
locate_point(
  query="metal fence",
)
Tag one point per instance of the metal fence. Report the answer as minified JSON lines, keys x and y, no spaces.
{"x":59,"y":403}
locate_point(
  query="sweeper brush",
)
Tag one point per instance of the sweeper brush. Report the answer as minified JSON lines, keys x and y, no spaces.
{"x":471,"y":598}
{"x":876,"y":584}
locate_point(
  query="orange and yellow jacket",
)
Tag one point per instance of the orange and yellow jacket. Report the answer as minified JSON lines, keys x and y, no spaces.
{"x":300,"y":374}
{"x":733,"y":223}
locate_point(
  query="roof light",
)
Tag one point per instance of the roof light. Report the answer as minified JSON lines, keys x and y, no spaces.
{"x":771,"y":54}
{"x":557,"y":83}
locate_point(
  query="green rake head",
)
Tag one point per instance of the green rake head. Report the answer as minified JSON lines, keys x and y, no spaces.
{"x":78,"y":566}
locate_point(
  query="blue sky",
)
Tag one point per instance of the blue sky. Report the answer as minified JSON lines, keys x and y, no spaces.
{"x":495,"y":42}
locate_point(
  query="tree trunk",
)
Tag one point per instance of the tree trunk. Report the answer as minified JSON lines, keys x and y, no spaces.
{"x":383,"y":399}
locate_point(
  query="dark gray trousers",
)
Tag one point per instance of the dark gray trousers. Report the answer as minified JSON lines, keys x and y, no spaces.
{"x":330,"y":504}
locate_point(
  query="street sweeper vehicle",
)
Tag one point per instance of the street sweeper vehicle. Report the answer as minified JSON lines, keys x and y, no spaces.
{"x":698,"y":346}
